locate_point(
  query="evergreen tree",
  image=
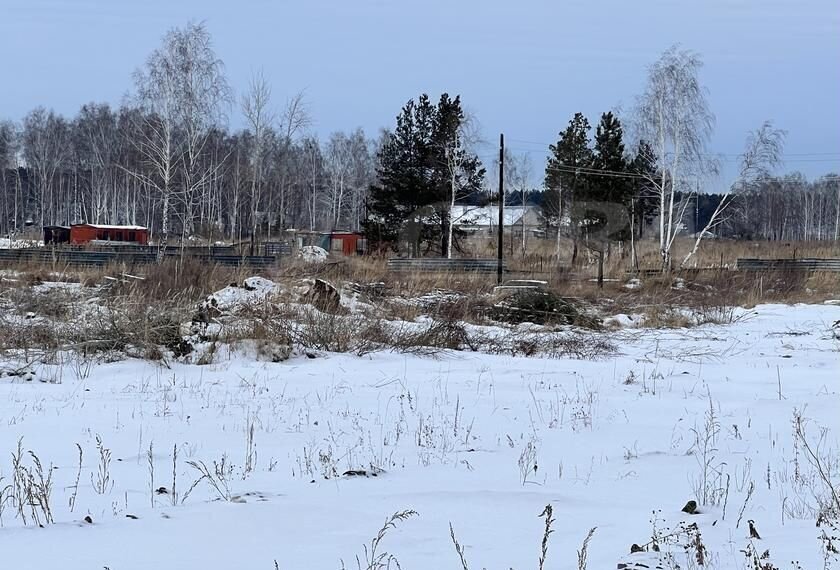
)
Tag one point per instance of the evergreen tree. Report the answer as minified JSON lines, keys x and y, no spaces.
{"x":611,"y":186}
{"x":565,"y":182}
{"x":420,"y":164}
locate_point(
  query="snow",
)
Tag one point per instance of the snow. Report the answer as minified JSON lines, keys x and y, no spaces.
{"x":313,"y":254}
{"x":623,"y":321}
{"x":113,"y":227}
{"x":633,"y":283}
{"x":613,"y":441}
{"x":9,"y":243}
{"x":253,"y":291}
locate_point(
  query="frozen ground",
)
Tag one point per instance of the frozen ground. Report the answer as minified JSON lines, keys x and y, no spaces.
{"x":481,"y":442}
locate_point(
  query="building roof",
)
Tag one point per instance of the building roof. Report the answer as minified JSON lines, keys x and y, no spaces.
{"x":485,"y":216}
{"x":110,"y":227}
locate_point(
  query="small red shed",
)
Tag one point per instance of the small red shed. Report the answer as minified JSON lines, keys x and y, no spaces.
{"x":348,"y":243}
{"x":81,"y":234}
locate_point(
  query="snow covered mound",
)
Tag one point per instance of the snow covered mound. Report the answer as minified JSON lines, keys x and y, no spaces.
{"x":313,"y":254}
{"x":253,"y":290}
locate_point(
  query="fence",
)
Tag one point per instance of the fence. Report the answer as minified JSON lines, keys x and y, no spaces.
{"x":136,"y":256}
{"x":801,"y":264}
{"x":434,"y":264}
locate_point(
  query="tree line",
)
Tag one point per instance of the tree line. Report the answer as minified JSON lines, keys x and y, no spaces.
{"x":166,"y":159}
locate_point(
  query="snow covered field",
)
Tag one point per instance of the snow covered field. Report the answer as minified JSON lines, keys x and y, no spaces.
{"x":305,"y":459}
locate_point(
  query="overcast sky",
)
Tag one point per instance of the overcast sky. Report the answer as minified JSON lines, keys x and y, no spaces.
{"x":522,"y":67}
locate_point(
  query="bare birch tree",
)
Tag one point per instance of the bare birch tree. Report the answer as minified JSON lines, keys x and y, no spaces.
{"x":182,"y":91}
{"x":96,"y":147}
{"x":518,"y":175}
{"x":294,"y":120}
{"x":674,"y":116}
{"x":762,"y":153}
{"x":459,"y":156}
{"x":255,"y":108}
{"x":9,"y":178}
{"x":338,"y":156}
{"x":46,"y":150}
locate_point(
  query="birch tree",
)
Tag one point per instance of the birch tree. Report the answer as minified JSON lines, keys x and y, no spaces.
{"x":455,"y":158}
{"x":362,"y":175}
{"x":762,"y":153}
{"x":9,"y":179}
{"x":46,"y":149}
{"x":518,"y":176}
{"x":338,"y":157}
{"x":255,"y":108}
{"x":295,"y":119}
{"x":97,"y":144}
{"x":458,"y":134}
{"x":674,"y":115}
{"x":182,"y":91}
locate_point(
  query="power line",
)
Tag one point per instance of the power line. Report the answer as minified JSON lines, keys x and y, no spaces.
{"x":715,"y":155}
{"x":595,"y":172}
{"x":588,"y":171}
{"x":725,"y":158}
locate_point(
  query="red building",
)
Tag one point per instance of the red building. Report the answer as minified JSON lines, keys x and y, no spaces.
{"x":336,"y":242}
{"x":348,"y":243}
{"x":81,"y":234}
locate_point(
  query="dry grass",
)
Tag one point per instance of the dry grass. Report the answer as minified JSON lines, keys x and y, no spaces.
{"x":192,"y":279}
{"x":711,"y":275}
{"x":146,"y":305}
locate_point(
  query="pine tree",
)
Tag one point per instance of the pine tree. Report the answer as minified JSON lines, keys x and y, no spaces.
{"x":402,"y":185}
{"x":420,"y":165}
{"x":609,"y":186}
{"x":564,"y":179}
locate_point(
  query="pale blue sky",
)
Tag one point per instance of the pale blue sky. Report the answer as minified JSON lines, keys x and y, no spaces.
{"x":522,"y":67}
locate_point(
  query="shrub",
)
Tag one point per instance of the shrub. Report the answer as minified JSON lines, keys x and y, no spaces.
{"x":543,"y":308}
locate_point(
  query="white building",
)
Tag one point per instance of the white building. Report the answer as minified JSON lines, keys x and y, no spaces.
{"x":485,"y":219}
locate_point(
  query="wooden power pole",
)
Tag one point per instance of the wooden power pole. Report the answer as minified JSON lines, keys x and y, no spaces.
{"x":501,"y":254}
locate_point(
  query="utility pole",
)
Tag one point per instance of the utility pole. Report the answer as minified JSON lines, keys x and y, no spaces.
{"x":499,"y":266}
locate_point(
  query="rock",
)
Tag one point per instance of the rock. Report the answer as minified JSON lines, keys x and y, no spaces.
{"x":690,"y":508}
{"x":88,"y":520}
{"x":325,"y":297}
{"x":634,"y":548}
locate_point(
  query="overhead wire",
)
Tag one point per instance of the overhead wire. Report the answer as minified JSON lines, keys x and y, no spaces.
{"x":730,"y":157}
